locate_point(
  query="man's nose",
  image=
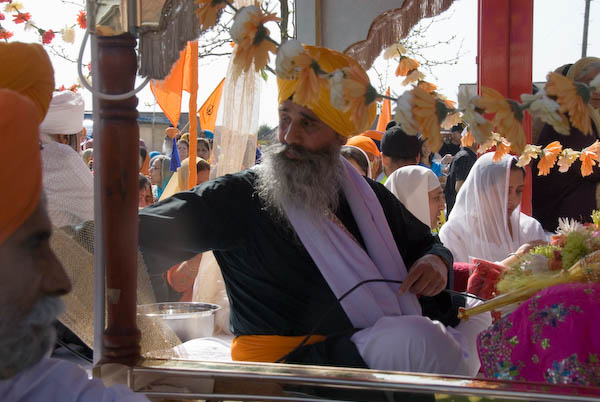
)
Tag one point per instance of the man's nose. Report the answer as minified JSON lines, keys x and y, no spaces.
{"x":293,"y":134}
{"x":55,"y":281}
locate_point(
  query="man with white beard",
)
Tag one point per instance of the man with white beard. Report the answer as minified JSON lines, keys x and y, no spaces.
{"x":31,"y":277}
{"x":297,"y":232}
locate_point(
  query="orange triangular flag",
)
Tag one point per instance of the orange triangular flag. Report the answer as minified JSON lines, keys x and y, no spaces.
{"x":168,"y":92}
{"x":208,"y":111}
{"x":386,"y":113}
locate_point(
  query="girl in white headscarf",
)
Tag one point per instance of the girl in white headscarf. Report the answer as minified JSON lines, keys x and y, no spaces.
{"x":418,"y":188}
{"x":486,"y":221}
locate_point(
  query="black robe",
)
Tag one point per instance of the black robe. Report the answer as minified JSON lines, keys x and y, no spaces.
{"x":274,"y":287}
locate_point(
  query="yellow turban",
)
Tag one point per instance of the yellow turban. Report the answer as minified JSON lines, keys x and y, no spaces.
{"x":20,"y":152}
{"x":26,"y":68}
{"x":329,"y":60}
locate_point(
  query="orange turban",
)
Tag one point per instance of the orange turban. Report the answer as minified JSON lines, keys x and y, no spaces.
{"x":20,"y":152}
{"x":26,"y":68}
{"x":329,"y":60}
{"x":364,"y":143}
{"x":373,"y":134}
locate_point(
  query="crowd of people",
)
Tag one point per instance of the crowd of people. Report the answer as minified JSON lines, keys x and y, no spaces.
{"x":330,"y":206}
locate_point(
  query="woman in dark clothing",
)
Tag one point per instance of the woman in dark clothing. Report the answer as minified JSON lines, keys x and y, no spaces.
{"x":568,"y":195}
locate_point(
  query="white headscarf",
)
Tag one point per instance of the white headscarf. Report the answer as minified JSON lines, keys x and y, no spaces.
{"x":412,"y":184}
{"x":478,"y":226}
{"x":65,"y":115}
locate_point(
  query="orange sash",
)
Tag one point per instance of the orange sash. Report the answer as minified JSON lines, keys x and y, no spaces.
{"x":267,"y":348}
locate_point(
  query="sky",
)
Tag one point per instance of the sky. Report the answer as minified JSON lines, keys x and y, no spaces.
{"x":557,"y":38}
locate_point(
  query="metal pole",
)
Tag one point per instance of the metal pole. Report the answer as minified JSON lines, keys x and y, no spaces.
{"x":586,"y":23}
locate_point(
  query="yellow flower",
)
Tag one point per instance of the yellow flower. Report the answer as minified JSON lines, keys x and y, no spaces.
{"x":425,"y":110}
{"x":208,"y":11}
{"x":502,"y":148}
{"x":589,"y":157}
{"x":427,"y":86}
{"x":309,"y":82}
{"x":569,"y":98}
{"x":451,"y":120}
{"x":405,"y":66}
{"x":507,"y":117}
{"x":530,"y":152}
{"x":546,"y":109}
{"x":394,"y":51}
{"x":13,"y":7}
{"x":413,"y":75}
{"x":358,"y":94}
{"x":548,"y":159}
{"x":252,"y":38}
{"x":566,"y":159}
{"x":467,"y":140}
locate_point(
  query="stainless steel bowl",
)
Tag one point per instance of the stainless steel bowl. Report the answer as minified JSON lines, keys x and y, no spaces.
{"x":189,"y":320}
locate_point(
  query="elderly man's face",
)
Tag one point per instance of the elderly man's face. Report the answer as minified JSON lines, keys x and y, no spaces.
{"x":29,"y":270}
{"x":301,"y":127}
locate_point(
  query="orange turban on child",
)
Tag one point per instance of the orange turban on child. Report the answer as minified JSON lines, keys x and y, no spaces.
{"x":26,"y":68}
{"x":329,"y":60}
{"x":364,"y":143}
{"x":19,"y":153}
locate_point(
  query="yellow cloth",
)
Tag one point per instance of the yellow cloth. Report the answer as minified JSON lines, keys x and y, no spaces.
{"x":365,"y":143}
{"x":20,"y":152}
{"x":26,"y":68}
{"x":267,"y":348}
{"x":575,"y":73}
{"x":179,"y":181}
{"x":329,"y":60}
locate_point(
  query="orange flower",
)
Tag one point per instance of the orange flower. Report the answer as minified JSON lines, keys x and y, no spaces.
{"x":358,"y":93}
{"x":309,"y":82}
{"x":252,"y":38}
{"x":208,"y":11}
{"x":82,"y":20}
{"x":427,"y":86}
{"x":502,"y":148}
{"x":427,"y":112}
{"x":569,"y":97}
{"x":4,"y":34}
{"x":589,"y":157}
{"x":507,"y":117}
{"x":21,"y":18}
{"x":405,"y":66}
{"x":549,"y":156}
{"x":467,"y":140}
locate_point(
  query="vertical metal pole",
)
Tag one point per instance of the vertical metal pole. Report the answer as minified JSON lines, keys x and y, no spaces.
{"x":99,"y":255}
{"x":586,"y":24}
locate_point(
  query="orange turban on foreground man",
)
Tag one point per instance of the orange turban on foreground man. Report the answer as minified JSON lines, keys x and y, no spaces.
{"x":26,"y":68}
{"x":329,"y":60}
{"x":19,"y":153}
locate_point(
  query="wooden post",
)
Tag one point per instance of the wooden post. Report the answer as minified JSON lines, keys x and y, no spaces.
{"x":505,"y":53}
{"x":119,"y":153}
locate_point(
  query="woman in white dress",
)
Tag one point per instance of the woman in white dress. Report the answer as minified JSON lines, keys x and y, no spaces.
{"x":486,"y":221}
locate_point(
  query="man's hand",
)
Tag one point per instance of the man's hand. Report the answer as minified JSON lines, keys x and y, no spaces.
{"x":428,"y":276}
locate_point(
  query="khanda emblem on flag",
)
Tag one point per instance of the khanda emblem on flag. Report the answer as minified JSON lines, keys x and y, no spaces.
{"x":209,"y":110}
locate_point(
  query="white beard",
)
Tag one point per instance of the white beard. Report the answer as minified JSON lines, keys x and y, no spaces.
{"x":311,"y":180}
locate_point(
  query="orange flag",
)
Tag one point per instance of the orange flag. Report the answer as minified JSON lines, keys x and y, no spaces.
{"x":168,"y":92}
{"x":386,"y":114}
{"x":208,"y":111}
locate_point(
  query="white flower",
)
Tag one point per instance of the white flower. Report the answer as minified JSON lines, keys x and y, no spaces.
{"x":238,"y":30}
{"x":536,"y":263}
{"x":530,"y":152}
{"x":29,"y":25}
{"x":336,"y":89}
{"x":471,"y":116}
{"x":403,"y":114}
{"x":595,"y":83}
{"x":285,"y":67}
{"x":413,"y":76}
{"x":546,"y":109}
{"x":568,"y":225}
{"x":68,"y":34}
{"x":566,"y":159}
{"x":396,"y":50}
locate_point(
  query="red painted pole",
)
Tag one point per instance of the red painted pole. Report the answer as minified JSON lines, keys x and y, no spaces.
{"x":505,"y":54}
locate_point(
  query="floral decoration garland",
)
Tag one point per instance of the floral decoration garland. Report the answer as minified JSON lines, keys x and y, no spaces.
{"x":16,"y":10}
{"x":421,"y":109}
